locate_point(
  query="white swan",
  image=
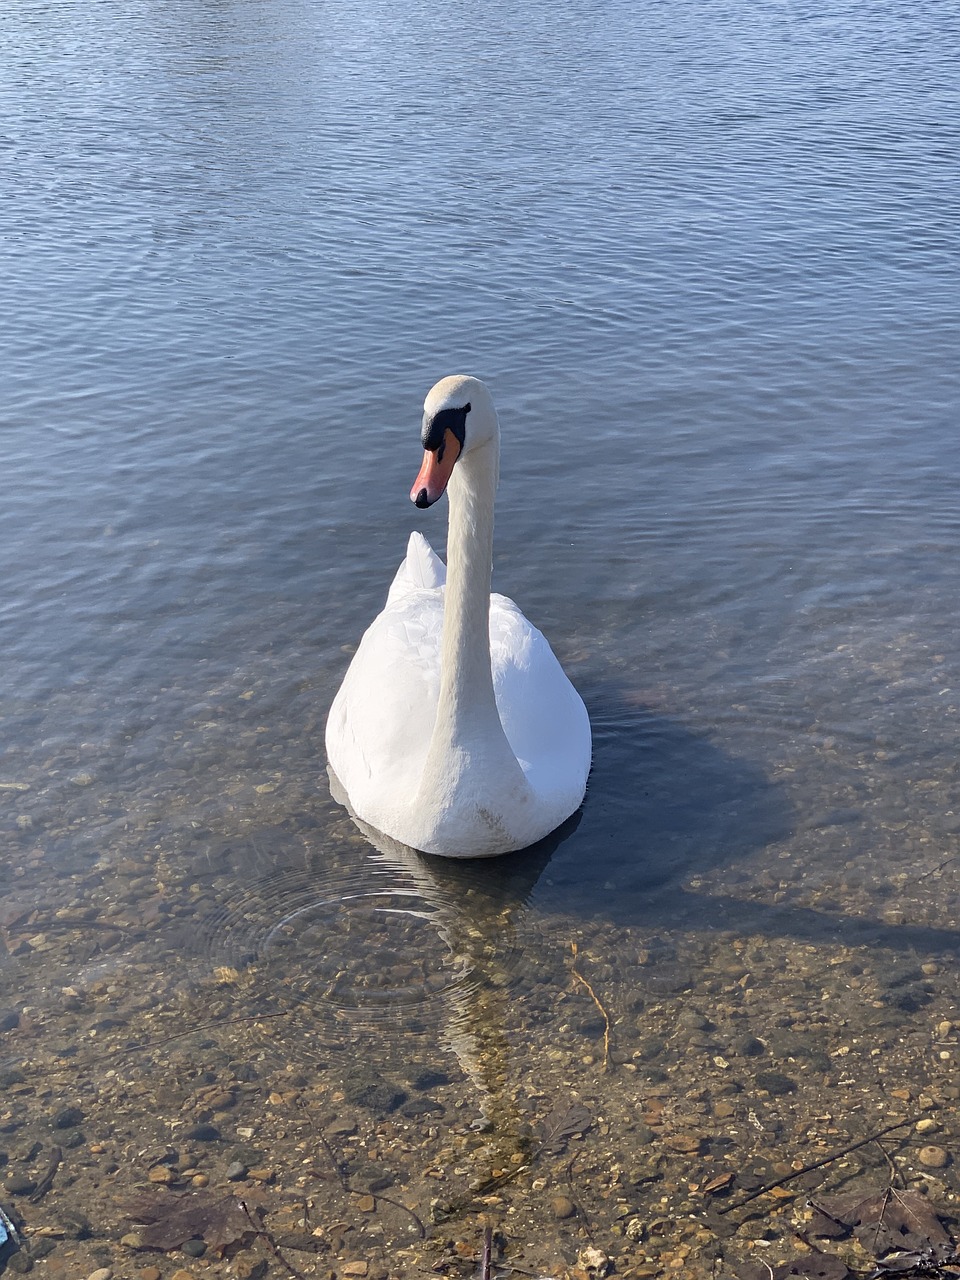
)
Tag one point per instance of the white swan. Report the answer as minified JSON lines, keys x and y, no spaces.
{"x":455,"y":730}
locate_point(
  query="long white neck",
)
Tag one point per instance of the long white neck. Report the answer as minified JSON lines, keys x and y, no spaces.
{"x":468,"y":741}
{"x":466,"y":683}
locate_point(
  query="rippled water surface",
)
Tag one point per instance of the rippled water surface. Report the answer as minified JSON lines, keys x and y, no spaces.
{"x":706,"y":257}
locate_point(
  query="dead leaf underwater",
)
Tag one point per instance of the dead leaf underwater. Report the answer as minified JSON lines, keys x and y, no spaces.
{"x":168,"y":1222}
{"x":885,"y":1222}
{"x":563,"y":1124}
{"x":899,"y":1228}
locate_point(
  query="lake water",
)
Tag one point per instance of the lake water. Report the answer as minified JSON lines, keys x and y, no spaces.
{"x":706,"y":256}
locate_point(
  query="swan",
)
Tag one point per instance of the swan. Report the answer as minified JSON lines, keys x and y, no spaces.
{"x":456,"y":731}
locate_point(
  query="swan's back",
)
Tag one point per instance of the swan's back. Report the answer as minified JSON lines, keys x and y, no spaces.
{"x":542,"y":714}
{"x":380,"y":723}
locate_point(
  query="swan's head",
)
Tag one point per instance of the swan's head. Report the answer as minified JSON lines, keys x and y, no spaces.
{"x":458,"y":417}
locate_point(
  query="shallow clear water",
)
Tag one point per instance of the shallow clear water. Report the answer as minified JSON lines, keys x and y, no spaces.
{"x":706,"y":257}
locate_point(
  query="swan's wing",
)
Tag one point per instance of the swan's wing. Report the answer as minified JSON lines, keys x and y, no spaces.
{"x":422,"y":569}
{"x":542,"y":714}
{"x":381,"y":720}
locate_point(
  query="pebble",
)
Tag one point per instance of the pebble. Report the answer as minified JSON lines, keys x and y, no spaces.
{"x":366,"y":1088}
{"x":420,"y":1107}
{"x":775,"y":1083}
{"x":203,"y":1133}
{"x":76,"y":1225}
{"x":160,"y":1173}
{"x":933,"y":1157}
{"x":249,"y":1268}
{"x":927,"y":1125}
{"x":690,"y":1020}
{"x":101,"y":1273}
{"x":430,"y":1080}
{"x":68,"y":1118}
{"x":194,"y":1248}
{"x":150,"y":1273}
{"x":342,"y":1128}
{"x":562,"y":1207}
{"x":593,"y":1260}
{"x":366,"y":1204}
{"x":303,"y":1241}
{"x":749,"y":1047}
{"x":20,"y":1184}
{"x":237,"y":1171}
{"x":183,"y":1274}
{"x":355,"y":1268}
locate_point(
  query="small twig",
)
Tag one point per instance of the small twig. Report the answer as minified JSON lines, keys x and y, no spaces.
{"x":46,"y":1182}
{"x":487,"y":1253}
{"x":933,"y":871}
{"x":202,"y":1026}
{"x":262,"y":1231}
{"x":831,"y":1217}
{"x":894,"y":1171}
{"x":876,"y":1235}
{"x":818,"y":1164}
{"x":594,"y":997}
{"x":337,"y":1164}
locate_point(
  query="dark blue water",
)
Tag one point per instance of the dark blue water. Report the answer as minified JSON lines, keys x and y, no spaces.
{"x":707,"y":260}
{"x":705,"y":255}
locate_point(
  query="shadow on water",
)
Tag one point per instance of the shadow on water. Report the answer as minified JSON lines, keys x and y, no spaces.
{"x":662,"y":803}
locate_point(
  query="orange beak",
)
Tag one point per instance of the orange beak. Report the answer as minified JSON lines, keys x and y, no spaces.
{"x":436,"y":471}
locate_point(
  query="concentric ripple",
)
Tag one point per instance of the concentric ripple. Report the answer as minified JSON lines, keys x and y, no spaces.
{"x":383,"y":939}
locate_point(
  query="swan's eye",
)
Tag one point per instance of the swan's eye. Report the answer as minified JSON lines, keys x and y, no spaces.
{"x":436,"y":428}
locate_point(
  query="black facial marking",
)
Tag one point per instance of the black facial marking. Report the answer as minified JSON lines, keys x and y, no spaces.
{"x":435,"y":428}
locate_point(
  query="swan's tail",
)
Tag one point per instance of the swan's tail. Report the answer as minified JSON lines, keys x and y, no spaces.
{"x":422,"y":569}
